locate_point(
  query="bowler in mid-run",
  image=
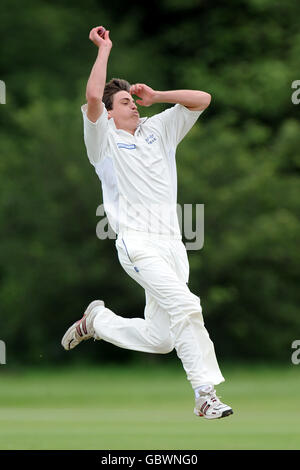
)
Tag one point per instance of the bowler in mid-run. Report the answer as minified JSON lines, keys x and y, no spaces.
{"x":135,"y":160}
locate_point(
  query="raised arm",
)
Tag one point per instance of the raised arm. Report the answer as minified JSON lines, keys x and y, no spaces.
{"x":194,"y":100}
{"x":97,"y":79}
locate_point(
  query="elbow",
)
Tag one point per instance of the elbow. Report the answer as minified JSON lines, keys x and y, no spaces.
{"x":203,"y":102}
{"x":206,"y":100}
{"x":92,"y":98}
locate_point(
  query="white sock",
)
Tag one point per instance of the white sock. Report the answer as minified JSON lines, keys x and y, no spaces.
{"x":206,"y":388}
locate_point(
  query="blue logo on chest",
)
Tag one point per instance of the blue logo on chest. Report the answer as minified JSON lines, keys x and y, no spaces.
{"x":150,"y":139}
{"x":126,"y":146}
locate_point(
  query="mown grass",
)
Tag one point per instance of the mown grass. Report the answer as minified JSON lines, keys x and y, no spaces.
{"x":146,"y":407}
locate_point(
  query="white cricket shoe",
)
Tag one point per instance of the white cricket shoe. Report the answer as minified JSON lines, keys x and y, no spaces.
{"x":210,"y":406}
{"x":82,"y":329}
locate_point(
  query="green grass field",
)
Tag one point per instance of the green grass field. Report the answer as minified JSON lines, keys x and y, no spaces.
{"x":149,"y":407}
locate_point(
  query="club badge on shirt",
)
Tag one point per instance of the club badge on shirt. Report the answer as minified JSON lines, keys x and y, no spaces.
{"x":151,"y":138}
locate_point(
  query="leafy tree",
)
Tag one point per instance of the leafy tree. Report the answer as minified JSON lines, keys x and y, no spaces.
{"x":241,"y":160}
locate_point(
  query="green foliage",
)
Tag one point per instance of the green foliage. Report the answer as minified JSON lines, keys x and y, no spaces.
{"x":241,"y":160}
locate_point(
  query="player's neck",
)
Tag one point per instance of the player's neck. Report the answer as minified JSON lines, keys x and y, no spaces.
{"x":126,"y":129}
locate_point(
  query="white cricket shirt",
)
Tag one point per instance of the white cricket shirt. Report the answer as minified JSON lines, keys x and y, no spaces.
{"x":138,"y":172}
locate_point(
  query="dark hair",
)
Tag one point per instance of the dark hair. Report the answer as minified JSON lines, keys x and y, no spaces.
{"x":111,"y":88}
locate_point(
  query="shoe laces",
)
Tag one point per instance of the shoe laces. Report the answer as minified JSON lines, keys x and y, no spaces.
{"x":214,"y":398}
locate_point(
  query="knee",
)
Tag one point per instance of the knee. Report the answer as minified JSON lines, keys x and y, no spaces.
{"x":166,"y":345}
{"x":193,"y":317}
{"x":188,"y":306}
{"x":196,"y":318}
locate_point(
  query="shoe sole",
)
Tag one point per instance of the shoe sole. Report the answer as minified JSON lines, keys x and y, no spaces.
{"x":226,"y":413}
{"x":69,"y":332}
{"x":223,"y":415}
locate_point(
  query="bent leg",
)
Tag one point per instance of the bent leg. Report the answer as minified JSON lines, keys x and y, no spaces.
{"x":151,"y":334}
{"x":151,"y":266}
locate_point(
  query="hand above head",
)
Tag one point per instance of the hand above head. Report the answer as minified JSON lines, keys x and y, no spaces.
{"x":100,"y":37}
{"x":144,"y":92}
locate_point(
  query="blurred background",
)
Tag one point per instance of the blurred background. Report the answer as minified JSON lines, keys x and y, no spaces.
{"x":241,"y":160}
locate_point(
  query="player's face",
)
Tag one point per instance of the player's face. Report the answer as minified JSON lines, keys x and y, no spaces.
{"x":124,"y":112}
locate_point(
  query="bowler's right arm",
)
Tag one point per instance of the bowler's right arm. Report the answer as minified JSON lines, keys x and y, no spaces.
{"x":97,"y":79}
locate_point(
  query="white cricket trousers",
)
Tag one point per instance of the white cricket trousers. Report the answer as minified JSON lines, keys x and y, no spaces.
{"x":172,"y":315}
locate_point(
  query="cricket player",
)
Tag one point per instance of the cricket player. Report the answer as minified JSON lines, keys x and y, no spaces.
{"x":135,"y":160}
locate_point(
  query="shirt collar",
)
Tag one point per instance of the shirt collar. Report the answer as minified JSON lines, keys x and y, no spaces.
{"x":113,"y":125}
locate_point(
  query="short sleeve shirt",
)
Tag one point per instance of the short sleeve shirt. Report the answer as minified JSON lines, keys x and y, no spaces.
{"x":138,"y":172}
